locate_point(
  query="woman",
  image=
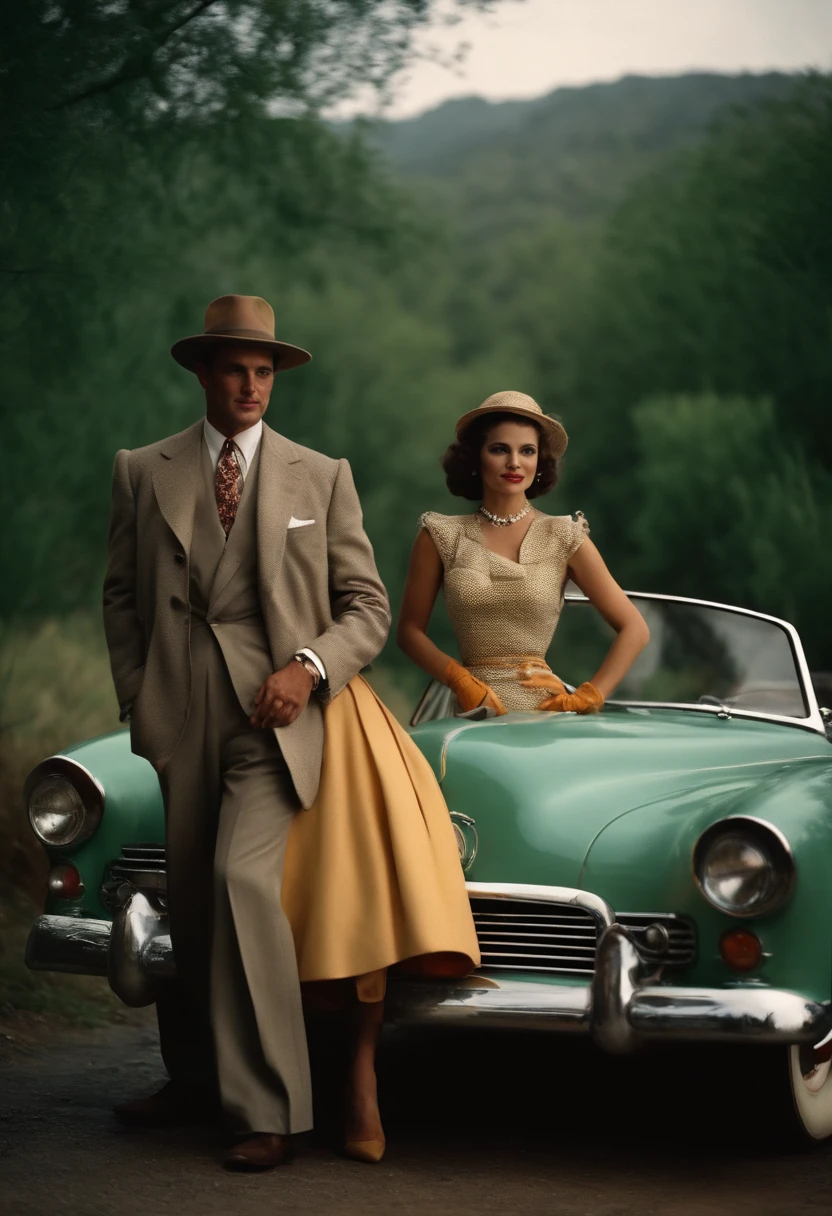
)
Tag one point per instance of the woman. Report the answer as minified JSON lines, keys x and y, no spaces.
{"x":372,"y":879}
{"x":504,"y":568}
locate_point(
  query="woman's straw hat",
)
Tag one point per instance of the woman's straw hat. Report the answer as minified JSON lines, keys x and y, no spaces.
{"x":236,"y":319}
{"x":525,"y":407}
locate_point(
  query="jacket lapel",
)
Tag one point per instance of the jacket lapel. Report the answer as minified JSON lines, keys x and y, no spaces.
{"x":279,"y":482}
{"x":175,"y":482}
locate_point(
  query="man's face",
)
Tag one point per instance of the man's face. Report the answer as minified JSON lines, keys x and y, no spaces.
{"x":238,"y":383}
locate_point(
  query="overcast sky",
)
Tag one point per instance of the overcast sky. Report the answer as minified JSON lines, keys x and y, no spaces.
{"x":525,"y":49}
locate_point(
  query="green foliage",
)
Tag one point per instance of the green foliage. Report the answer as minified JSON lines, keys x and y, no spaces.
{"x":716,"y":275}
{"x":726,"y":507}
{"x":636,"y":269}
{"x":145,"y":173}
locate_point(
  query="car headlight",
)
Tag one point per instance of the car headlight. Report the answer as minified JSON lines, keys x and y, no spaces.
{"x":744,"y":866}
{"x":467,"y":841}
{"x":64,"y":802}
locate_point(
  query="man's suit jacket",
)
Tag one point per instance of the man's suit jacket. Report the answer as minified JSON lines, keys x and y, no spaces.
{"x":319,"y":586}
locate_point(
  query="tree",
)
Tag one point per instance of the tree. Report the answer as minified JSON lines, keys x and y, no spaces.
{"x":157,"y":153}
{"x":727,"y":507}
{"x":716,"y":276}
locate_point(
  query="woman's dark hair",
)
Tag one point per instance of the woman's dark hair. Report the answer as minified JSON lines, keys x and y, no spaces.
{"x":463,"y":460}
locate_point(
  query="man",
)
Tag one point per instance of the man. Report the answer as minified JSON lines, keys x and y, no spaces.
{"x":241,"y":593}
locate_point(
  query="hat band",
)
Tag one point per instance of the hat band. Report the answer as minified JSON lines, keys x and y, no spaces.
{"x":258,"y":335}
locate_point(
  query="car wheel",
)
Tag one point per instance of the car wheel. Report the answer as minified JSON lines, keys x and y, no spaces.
{"x":811,"y":1086}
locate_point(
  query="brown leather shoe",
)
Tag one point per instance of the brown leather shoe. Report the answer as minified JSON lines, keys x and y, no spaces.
{"x":175,"y":1105}
{"x":262,"y":1151}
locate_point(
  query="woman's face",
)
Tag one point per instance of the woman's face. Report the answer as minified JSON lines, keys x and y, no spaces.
{"x":509,"y":458}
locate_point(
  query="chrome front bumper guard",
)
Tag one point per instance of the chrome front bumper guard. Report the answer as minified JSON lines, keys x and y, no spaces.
{"x":616,"y":1008}
{"x":134,"y":952}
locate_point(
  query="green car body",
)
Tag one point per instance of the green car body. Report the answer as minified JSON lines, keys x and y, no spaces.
{"x":613,"y":804}
{"x":600,"y":815}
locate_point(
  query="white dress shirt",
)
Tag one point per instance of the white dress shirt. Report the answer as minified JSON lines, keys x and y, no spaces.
{"x":246,"y":443}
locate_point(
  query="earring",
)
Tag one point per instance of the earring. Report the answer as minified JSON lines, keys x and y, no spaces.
{"x":473,"y":472}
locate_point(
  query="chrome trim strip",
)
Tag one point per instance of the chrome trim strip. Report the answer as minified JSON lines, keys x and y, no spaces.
{"x":446,"y":743}
{"x":747,"y":714}
{"x":597,"y":907}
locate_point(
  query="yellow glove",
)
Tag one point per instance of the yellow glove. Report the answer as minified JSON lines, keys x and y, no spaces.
{"x":468,"y":690}
{"x":544,"y":679}
{"x":586,"y":699}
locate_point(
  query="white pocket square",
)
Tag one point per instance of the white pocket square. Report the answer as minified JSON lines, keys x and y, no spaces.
{"x":300,"y":523}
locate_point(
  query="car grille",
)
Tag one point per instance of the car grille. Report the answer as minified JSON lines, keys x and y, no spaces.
{"x":140,"y":865}
{"x":561,"y":939}
{"x":513,"y":934}
{"x":681,"y":932}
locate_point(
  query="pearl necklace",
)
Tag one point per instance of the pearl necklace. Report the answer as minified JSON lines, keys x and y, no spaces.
{"x":504,"y":521}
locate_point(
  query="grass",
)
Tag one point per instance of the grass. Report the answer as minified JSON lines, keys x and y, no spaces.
{"x":76,"y":1000}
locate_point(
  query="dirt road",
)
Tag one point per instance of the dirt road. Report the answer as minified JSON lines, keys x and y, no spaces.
{"x":476,"y":1124}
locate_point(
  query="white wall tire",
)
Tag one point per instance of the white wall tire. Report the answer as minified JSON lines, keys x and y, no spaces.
{"x":812,"y":1093}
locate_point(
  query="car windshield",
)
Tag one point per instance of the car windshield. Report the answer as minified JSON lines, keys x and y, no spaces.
{"x":699,"y":654}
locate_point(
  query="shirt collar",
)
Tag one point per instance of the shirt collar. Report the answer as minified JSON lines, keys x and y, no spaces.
{"x":246,"y":442}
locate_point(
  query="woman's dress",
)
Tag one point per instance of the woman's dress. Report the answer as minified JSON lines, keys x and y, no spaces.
{"x":504,"y":613}
{"x":372,"y":874}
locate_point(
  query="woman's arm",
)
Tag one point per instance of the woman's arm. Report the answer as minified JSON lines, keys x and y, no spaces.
{"x":424,"y":578}
{"x":589,"y":572}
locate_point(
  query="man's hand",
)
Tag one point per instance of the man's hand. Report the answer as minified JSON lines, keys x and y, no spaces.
{"x":283,"y":697}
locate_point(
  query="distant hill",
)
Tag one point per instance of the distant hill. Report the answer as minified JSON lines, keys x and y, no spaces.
{"x":576,"y":150}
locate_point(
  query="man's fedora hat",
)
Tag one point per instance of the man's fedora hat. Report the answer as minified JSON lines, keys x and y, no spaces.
{"x":524,"y":407}
{"x":236,"y":319}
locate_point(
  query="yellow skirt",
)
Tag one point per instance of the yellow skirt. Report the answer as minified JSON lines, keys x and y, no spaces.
{"x":372,"y":875}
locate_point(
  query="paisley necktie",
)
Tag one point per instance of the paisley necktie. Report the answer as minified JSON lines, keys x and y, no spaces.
{"x":228,"y":485}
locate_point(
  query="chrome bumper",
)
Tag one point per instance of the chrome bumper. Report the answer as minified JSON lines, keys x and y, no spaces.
{"x":617,"y":1009}
{"x":134,"y":952}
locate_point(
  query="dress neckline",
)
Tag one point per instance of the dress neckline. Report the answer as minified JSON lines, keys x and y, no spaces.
{"x":475,"y":524}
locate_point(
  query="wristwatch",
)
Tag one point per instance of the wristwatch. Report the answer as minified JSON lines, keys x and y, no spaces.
{"x":309,"y":666}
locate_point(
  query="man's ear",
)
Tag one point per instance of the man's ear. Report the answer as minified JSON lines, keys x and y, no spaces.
{"x":202,"y":372}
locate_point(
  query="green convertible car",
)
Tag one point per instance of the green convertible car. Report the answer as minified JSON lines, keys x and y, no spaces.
{"x":661,"y":871}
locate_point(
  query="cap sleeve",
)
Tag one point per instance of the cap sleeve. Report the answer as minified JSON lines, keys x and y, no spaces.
{"x":443,"y":530}
{"x":577,"y":533}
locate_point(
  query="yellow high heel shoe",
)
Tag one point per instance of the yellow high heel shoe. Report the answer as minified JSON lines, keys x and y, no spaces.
{"x":369,"y":1151}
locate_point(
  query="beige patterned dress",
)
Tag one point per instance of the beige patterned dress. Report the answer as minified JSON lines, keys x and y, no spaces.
{"x":504,"y":613}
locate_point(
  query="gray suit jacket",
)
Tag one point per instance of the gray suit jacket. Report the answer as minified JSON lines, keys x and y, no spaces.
{"x":319,"y":586}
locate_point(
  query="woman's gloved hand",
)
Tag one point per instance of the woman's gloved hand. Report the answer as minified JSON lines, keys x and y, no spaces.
{"x":468,"y":690}
{"x":544,"y":679}
{"x":586,"y":699}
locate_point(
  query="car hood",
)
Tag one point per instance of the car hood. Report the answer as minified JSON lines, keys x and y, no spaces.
{"x":543,"y":788}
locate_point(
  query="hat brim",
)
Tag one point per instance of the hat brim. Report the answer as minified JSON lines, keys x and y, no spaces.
{"x":555,"y":429}
{"x":190,"y":352}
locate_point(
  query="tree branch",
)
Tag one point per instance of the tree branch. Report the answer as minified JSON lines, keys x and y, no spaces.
{"x":135,"y":66}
